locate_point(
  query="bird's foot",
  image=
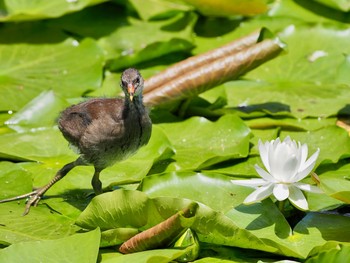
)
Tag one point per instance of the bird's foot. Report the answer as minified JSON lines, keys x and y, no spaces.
{"x":33,"y":199}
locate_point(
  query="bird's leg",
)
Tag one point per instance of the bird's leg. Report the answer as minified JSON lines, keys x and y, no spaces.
{"x":96,"y":183}
{"x":35,"y":196}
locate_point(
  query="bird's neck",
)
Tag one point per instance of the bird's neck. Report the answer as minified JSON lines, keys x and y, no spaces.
{"x":133,"y":108}
{"x":135,"y":103}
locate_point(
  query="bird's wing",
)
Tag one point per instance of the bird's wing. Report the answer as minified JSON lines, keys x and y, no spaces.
{"x":73,"y":124}
{"x":102,"y":131}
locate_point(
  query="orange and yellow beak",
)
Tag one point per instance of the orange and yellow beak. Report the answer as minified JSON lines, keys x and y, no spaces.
{"x":131,"y":91}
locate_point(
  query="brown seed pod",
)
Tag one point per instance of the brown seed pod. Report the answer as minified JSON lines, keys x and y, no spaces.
{"x":215,"y":73}
{"x":162,"y":234}
{"x":194,"y":62}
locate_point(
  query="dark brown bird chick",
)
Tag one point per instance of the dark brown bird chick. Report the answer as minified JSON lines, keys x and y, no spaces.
{"x":103,"y":131}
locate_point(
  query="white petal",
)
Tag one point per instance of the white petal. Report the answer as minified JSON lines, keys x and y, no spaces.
{"x":293,"y":145}
{"x":301,"y":175}
{"x":304,"y":152}
{"x":265,"y":175}
{"x":284,"y":164}
{"x":290,"y":168}
{"x":309,"y":188}
{"x":259,"y":194}
{"x":276,"y":142}
{"x":281,"y":192}
{"x":275,"y":158}
{"x":307,"y":167}
{"x":250,"y":182}
{"x":301,"y":156}
{"x":297,"y":198}
{"x":310,"y":161}
{"x":287,"y":139}
{"x":271,"y":151}
{"x":264,"y":156}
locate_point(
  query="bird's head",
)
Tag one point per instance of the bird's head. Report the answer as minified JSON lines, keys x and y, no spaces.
{"x":132,"y":83}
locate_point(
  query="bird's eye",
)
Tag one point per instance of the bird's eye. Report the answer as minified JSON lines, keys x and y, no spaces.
{"x":124,"y":84}
{"x":137,"y":81}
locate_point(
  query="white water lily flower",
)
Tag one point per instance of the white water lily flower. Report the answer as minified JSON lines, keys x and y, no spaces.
{"x":286,"y":165}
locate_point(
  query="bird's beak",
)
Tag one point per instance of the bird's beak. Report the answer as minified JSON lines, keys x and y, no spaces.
{"x":131,"y":91}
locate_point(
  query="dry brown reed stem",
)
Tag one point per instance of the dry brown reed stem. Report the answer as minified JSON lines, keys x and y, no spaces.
{"x":191,"y":63}
{"x":162,"y":234}
{"x":215,"y":73}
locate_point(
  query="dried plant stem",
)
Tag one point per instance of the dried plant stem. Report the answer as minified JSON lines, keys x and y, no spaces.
{"x":163,"y":234}
{"x":194,"y":62}
{"x":217,"y":72}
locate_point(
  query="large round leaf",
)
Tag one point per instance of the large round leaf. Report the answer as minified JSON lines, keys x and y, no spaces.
{"x":30,"y":10}
{"x":26,"y":70}
{"x":200,"y":143}
{"x":140,"y":41}
{"x":10,"y":176}
{"x":340,"y":253}
{"x":212,"y":189}
{"x":39,"y":224}
{"x":77,"y":248}
{"x":333,"y":142}
{"x":336,"y":183}
{"x":121,"y":209}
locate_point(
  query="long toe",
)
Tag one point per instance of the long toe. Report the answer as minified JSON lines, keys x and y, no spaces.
{"x":19,"y":197}
{"x":33,"y":201}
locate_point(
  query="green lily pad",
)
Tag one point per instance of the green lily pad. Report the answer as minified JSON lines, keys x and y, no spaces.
{"x":29,"y":69}
{"x":32,"y":10}
{"x":333,"y":142}
{"x":110,"y":86}
{"x":300,"y":83}
{"x":76,"y":248}
{"x":309,"y":11}
{"x":114,"y":210}
{"x":156,"y":255}
{"x":200,"y":143}
{"x":238,"y":168}
{"x":94,"y":21}
{"x":216,"y":191}
{"x":142,"y":41}
{"x":314,"y":61}
{"x":212,"y":189}
{"x":340,"y":253}
{"x":336,"y":183}
{"x":229,"y":7}
{"x":315,"y":229}
{"x":308,"y":124}
{"x":41,"y":112}
{"x":39,"y":224}
{"x":159,"y":8}
{"x":14,"y":179}
{"x":301,"y":94}
{"x":342,"y":5}
{"x":298,"y":99}
{"x":320,"y":202}
{"x":33,"y":32}
{"x":34,"y":145}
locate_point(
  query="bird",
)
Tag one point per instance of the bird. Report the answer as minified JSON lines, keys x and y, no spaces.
{"x":103,"y":131}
